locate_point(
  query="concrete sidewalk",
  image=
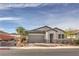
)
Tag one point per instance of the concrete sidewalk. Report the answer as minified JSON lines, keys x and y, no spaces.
{"x":58,"y":47}
{"x":41,"y":46}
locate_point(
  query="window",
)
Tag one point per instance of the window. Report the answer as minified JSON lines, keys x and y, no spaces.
{"x":62,"y":36}
{"x":59,"y":36}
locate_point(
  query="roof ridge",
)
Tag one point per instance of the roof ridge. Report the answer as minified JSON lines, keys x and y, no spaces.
{"x":43,"y":27}
{"x":58,"y":29}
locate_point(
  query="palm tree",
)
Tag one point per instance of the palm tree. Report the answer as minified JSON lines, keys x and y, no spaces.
{"x":22,"y":36}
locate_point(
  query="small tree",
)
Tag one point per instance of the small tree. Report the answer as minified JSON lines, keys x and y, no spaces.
{"x":22,"y":36}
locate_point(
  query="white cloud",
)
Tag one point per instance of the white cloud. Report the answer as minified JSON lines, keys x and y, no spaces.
{"x":64,"y":23}
{"x":70,"y":23}
{"x":9,"y":18}
{"x":16,"y":20}
{"x":13,"y":20}
{"x":21,"y":5}
{"x":2,"y":29}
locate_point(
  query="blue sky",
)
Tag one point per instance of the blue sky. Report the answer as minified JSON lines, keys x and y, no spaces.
{"x":30,"y":16}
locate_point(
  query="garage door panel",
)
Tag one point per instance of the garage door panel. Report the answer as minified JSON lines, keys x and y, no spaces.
{"x":36,"y":38}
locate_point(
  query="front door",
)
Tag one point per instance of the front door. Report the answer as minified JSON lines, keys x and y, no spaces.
{"x":51,"y":38}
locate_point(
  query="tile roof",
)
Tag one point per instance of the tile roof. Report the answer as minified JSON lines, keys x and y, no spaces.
{"x":6,"y":37}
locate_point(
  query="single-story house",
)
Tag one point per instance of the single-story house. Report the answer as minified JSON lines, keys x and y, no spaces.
{"x":46,"y":34}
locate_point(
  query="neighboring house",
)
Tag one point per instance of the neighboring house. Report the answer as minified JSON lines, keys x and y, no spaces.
{"x":46,"y":34}
{"x":77,"y":36}
{"x":6,"y":40}
{"x":74,"y":35}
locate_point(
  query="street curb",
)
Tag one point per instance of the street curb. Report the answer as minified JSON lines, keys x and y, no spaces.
{"x":12,"y":48}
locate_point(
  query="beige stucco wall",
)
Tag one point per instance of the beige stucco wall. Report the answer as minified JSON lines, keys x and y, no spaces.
{"x":55,"y":37}
{"x":59,"y":32}
{"x":47,"y":35}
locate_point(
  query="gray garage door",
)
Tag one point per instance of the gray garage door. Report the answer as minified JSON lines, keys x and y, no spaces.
{"x":36,"y":38}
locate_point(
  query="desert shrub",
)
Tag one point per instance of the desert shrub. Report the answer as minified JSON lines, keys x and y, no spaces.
{"x":76,"y":42}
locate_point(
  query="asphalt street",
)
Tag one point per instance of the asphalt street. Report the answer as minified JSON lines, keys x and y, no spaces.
{"x":40,"y":52}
